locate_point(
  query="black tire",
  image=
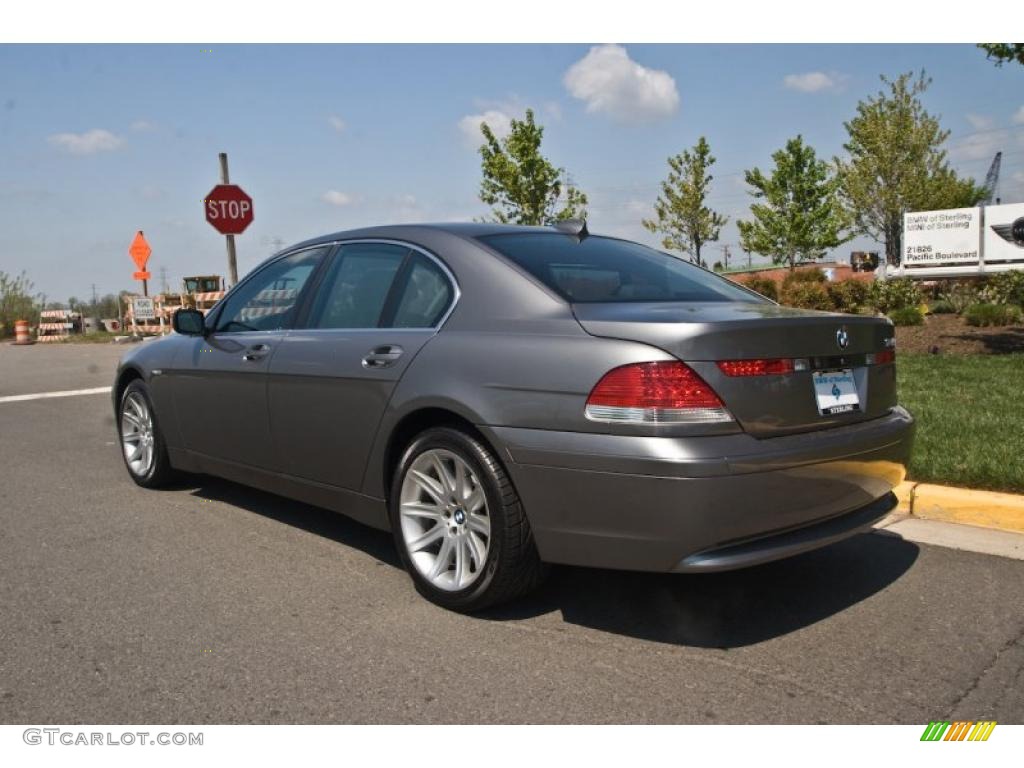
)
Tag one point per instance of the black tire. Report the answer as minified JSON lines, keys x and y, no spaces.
{"x":512,"y":567}
{"x":160,"y":472}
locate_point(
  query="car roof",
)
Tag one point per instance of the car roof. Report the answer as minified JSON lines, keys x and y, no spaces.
{"x":462,"y":229}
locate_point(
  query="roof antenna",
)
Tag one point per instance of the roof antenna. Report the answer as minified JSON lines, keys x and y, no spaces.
{"x":575,"y":227}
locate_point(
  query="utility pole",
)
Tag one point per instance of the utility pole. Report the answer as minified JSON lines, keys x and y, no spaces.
{"x":94,"y":298}
{"x":725,"y":256}
{"x":232,"y":261}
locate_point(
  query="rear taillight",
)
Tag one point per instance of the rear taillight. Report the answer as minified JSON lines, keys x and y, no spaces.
{"x":881,"y":358}
{"x":666,"y":392}
{"x":763,"y":367}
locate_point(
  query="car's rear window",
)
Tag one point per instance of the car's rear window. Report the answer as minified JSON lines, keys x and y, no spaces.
{"x":603,"y":269}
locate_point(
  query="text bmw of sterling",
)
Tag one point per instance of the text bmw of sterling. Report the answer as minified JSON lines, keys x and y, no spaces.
{"x":502,"y":398}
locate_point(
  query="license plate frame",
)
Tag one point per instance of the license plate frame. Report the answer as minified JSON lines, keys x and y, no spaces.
{"x":835,"y":391}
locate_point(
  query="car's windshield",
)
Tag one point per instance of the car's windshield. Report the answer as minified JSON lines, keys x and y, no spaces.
{"x":603,"y":269}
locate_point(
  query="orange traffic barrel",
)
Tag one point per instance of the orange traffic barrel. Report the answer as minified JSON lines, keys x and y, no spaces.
{"x":21,"y":334}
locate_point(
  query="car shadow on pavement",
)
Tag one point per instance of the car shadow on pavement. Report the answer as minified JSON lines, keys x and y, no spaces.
{"x":723,"y":610}
{"x":720,"y":610}
{"x":316,"y":520}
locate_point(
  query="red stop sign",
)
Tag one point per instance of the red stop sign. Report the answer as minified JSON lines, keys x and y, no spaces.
{"x":228,"y":209}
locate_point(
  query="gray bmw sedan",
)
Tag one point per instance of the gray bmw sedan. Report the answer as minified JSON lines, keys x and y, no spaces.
{"x":501,"y":398}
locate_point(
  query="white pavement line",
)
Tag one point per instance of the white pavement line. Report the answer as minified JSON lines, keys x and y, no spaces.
{"x":987,"y":541}
{"x":65,"y":393}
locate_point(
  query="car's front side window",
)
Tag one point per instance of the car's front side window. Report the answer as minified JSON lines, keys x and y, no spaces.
{"x":268,"y":300}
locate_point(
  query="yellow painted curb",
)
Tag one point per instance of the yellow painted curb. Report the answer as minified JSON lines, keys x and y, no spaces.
{"x":987,"y":509}
{"x":905,"y":493}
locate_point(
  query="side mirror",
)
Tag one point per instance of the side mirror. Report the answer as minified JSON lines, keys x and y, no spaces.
{"x":189,"y":322}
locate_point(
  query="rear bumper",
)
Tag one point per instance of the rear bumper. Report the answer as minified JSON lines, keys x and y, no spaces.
{"x":702,"y":503}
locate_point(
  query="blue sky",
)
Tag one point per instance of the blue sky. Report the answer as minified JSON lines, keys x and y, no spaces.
{"x":99,"y":141}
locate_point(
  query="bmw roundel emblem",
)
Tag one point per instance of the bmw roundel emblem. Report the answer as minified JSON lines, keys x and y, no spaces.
{"x":842,"y":338}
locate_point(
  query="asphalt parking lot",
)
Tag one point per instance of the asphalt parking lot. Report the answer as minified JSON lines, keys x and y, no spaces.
{"x":211,"y":602}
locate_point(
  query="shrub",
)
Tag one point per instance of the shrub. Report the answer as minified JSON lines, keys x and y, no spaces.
{"x":906,"y":316}
{"x":941,"y":307}
{"x":807,"y":296}
{"x":763,"y":285}
{"x":1004,"y":288}
{"x":960,"y":295}
{"x":16,"y":302}
{"x":898,"y":293}
{"x":848,"y":295}
{"x":992,"y":314}
{"x":801,"y":277}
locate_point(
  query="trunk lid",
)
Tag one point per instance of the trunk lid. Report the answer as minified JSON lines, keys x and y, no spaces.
{"x":701,"y":334}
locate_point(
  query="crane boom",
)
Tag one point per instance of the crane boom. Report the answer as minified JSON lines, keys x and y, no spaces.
{"x":992,"y":181}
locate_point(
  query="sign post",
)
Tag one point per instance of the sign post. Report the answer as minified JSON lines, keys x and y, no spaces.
{"x":140,"y":251}
{"x":229,"y":211}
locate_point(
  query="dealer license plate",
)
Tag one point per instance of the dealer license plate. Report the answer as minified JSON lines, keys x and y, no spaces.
{"x":836,"y":391}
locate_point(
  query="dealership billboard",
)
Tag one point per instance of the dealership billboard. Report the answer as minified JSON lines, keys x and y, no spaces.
{"x":963,"y":240}
{"x":942,"y":237}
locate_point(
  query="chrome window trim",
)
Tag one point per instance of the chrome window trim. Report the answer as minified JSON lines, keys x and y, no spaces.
{"x":456,"y":290}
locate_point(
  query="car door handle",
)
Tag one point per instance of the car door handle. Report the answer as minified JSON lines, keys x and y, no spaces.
{"x":382,"y":357}
{"x":256,"y":352}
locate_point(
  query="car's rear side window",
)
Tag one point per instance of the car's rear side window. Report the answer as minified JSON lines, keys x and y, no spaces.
{"x":424,"y":298}
{"x":357,"y":285}
{"x":603,"y":269}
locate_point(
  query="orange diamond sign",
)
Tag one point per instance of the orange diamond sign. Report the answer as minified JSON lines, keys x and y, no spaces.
{"x":140,"y":251}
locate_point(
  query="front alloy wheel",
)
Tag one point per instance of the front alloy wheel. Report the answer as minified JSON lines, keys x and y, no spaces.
{"x":137,"y":434}
{"x":142,"y":443}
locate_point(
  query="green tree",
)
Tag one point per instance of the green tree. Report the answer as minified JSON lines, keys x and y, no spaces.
{"x":800,"y":216}
{"x":16,"y":302}
{"x":1003,"y":52}
{"x":521,"y":185}
{"x":683,"y":217}
{"x":896,"y":163}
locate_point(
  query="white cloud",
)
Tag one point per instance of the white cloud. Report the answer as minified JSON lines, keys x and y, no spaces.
{"x":612,"y":83}
{"x":639,"y":207}
{"x":553,"y":110}
{"x":334,"y":197}
{"x":1018,"y":116}
{"x":980,"y":122}
{"x":336,"y":123}
{"x":151,"y":191}
{"x":88,"y":143}
{"x":405,"y":209}
{"x":142,"y":125}
{"x":978,"y":146}
{"x":499,"y":121}
{"x":812,"y":82}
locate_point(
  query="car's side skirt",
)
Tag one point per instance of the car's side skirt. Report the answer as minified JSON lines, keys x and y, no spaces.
{"x":364,"y":509}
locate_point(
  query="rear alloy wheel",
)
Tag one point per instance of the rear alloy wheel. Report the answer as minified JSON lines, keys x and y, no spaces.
{"x":459,"y":524}
{"x":142,"y":444}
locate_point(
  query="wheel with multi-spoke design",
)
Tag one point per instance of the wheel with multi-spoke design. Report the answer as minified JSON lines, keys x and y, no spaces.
{"x":459,"y":524}
{"x":142,"y":444}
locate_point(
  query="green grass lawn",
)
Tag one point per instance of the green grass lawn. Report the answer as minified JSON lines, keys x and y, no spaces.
{"x":970,"y":419}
